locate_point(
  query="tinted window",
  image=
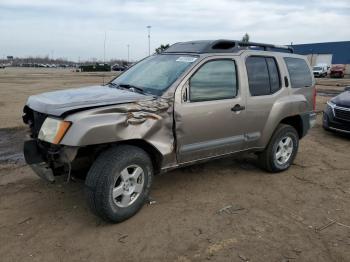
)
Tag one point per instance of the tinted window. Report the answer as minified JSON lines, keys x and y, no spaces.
{"x":263,"y":75}
{"x":299,"y":72}
{"x":275,"y":82}
{"x":258,"y":76}
{"x":214,"y":80}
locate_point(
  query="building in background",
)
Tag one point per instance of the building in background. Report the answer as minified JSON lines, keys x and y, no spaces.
{"x":329,"y":53}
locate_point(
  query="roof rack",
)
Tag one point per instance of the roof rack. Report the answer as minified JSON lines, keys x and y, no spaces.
{"x":223,"y":46}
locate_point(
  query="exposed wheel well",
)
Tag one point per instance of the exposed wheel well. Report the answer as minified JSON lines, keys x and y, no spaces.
{"x":90,"y":153}
{"x":296,"y":122}
{"x":155,"y":155}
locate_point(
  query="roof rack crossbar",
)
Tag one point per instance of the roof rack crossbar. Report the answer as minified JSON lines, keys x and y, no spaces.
{"x":221,"y":46}
{"x":266,"y":47}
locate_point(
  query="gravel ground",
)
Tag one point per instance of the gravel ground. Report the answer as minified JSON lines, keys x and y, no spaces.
{"x":223,"y":210}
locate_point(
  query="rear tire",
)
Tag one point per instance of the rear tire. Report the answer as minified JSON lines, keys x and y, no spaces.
{"x":281,"y":150}
{"x":118,"y":183}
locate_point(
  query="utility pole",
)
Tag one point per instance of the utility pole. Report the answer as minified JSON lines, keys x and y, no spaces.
{"x":149,"y":39}
{"x":104,"y":57}
{"x":104,"y":49}
{"x":128,"y":53}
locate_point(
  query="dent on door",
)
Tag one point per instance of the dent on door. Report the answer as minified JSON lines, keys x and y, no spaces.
{"x":207,"y":133}
{"x":207,"y":129}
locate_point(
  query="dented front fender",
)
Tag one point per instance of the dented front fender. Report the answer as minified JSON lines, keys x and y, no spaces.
{"x":149,"y":120}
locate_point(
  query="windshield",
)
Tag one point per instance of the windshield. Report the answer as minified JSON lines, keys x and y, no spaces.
{"x":156,"y":73}
{"x":317,"y":68}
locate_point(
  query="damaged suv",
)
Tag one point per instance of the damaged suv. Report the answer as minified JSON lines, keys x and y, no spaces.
{"x":194,"y":102}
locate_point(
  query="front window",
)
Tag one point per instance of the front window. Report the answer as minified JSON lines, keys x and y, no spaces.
{"x":316,"y":68}
{"x":215,"y":80}
{"x":156,"y":73}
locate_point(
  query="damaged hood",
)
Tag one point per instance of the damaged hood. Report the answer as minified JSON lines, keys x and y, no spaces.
{"x":58,"y":102}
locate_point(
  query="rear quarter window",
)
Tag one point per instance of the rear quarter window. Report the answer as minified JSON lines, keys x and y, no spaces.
{"x":299,"y":72}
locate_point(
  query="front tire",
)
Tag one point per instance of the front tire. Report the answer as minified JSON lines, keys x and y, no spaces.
{"x":325,"y":122}
{"x":118,"y":183}
{"x":281,"y":150}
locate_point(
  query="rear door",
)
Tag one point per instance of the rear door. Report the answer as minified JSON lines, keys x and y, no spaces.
{"x":209,"y":111}
{"x":265,"y":88}
{"x":301,"y":79}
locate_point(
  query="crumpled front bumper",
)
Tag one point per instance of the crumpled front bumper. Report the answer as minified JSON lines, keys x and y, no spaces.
{"x":41,"y":160}
{"x":34,"y":158}
{"x":43,"y":171}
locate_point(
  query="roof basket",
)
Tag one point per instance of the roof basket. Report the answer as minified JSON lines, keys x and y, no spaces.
{"x":223,"y":46}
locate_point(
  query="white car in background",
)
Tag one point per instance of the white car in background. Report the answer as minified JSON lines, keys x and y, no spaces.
{"x":320,"y":70}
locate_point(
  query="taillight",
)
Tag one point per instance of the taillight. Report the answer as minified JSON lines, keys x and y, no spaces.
{"x":314,"y":98}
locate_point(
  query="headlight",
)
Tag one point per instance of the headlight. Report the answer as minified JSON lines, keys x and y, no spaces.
{"x":53,"y":130}
{"x":331,"y":104}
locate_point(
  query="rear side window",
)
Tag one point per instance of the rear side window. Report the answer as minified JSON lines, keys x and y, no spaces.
{"x":299,"y":72}
{"x":275,"y":82}
{"x":213,"y":81}
{"x":263,"y":75}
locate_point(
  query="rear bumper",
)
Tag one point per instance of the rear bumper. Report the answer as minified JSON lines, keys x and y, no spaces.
{"x":308,"y":121}
{"x":312,"y":119}
{"x":336,"y":74}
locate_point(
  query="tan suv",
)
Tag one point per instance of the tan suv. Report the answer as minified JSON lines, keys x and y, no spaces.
{"x":194,"y":102}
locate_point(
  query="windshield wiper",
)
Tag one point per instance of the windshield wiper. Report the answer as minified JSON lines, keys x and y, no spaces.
{"x":132,"y":88}
{"x":112,"y":84}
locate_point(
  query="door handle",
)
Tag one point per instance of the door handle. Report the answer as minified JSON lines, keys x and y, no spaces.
{"x":237,"y":108}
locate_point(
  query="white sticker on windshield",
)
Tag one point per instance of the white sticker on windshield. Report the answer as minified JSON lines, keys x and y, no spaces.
{"x":186,"y":59}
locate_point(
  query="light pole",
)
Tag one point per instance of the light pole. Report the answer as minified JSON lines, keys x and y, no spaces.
{"x":104,"y":48}
{"x":128,"y":53}
{"x":149,"y":39}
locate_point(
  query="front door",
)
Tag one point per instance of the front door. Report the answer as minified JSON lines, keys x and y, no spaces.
{"x":209,"y":117}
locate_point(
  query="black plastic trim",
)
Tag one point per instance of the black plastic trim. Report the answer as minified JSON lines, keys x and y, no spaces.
{"x":223,"y":46}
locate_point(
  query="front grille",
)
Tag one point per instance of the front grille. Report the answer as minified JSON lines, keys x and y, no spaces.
{"x":34,"y":119}
{"x":39,"y":119}
{"x":342,"y":114}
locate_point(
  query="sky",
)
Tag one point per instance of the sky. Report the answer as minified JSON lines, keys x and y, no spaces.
{"x":75,"y":29}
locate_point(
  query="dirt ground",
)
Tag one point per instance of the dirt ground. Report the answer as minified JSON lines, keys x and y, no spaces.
{"x":224,"y":210}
